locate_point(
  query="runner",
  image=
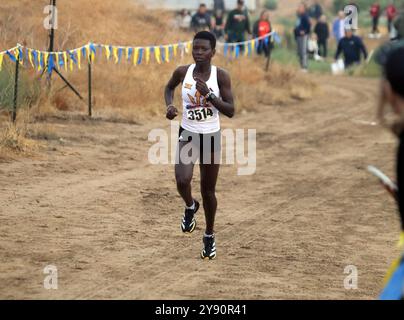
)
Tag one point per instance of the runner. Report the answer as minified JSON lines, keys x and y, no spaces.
{"x":206,"y":92}
{"x":392,"y":93}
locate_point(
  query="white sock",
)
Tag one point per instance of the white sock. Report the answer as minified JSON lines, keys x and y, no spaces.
{"x":191,"y":207}
{"x":209,"y":235}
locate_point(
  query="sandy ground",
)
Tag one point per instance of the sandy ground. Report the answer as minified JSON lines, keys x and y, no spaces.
{"x":93,"y":206}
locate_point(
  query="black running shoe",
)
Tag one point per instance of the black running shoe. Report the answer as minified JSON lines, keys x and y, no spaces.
{"x":209,"y":250}
{"x":188,"y":222}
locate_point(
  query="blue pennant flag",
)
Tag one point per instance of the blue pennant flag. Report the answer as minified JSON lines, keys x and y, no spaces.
{"x":225,"y":49}
{"x":140,"y":58}
{"x":72,"y":57}
{"x":35,"y":56}
{"x":61,"y":61}
{"x":130,"y":52}
{"x":277,"y":38}
{"x":119,"y":54}
{"x":50,"y":64}
{"x":11,"y":56}
{"x":237,"y":53}
{"x":163,"y":54}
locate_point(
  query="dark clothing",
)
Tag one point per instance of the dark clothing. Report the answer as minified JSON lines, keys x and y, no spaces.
{"x":315,"y":11}
{"x":375,"y":24}
{"x":322,"y":48}
{"x":302,"y":24}
{"x":218,"y":5}
{"x":351,"y":48}
{"x":322,"y":31}
{"x":201,"y":22}
{"x":375,"y":12}
{"x":400,"y":178}
{"x":237,"y":24}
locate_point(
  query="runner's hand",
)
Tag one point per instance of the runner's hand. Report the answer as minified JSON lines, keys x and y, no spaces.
{"x":202,"y":87}
{"x":172,"y":112}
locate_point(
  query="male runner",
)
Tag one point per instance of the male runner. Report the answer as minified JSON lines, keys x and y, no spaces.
{"x":206,"y":92}
{"x":392,"y":93}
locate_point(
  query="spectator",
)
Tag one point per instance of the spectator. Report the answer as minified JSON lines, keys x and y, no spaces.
{"x":399,"y":24}
{"x":375,"y":12}
{"x":183,"y":20}
{"x":219,"y":5}
{"x":315,"y":11}
{"x":351,"y":46}
{"x":237,"y":24}
{"x":261,"y":28}
{"x":338,"y":27}
{"x":218,"y":24}
{"x":323,"y":33}
{"x":201,"y":20}
{"x":302,"y":32}
{"x":312,"y":48}
{"x":391,"y":12}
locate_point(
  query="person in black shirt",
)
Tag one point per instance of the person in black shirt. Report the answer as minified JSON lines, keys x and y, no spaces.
{"x":351,"y":47}
{"x":323,"y":33}
{"x":201,"y":20}
{"x":392,"y":93}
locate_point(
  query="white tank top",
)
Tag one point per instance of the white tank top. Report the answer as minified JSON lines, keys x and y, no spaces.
{"x":198,"y":115}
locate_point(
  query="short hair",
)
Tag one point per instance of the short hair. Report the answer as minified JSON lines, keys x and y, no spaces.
{"x":394,"y":70}
{"x":206,"y":35}
{"x":202,"y":5}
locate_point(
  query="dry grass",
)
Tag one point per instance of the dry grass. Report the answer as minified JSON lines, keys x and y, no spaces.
{"x":14,"y":141}
{"x":127,"y":91}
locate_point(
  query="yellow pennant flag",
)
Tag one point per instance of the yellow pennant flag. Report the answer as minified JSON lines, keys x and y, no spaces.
{"x":167,"y":54}
{"x":175,"y":48}
{"x":252,"y":46}
{"x":79,"y":58}
{"x":115,"y":51}
{"x":147,"y":55}
{"x":57,"y":60}
{"x":39,"y":55}
{"x":188,"y":47}
{"x":30,"y":58}
{"x":246,"y":49}
{"x":46,"y":58}
{"x":107,"y":52}
{"x":71,"y":64}
{"x":1,"y":59}
{"x":65,"y":60}
{"x":135,"y":56}
{"x":127,"y":53}
{"x":157,"y":54}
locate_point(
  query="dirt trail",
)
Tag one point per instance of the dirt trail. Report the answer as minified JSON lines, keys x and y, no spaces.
{"x":94,"y":207}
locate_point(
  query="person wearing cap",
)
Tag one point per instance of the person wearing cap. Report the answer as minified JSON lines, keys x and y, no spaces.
{"x":351,"y":46}
{"x":237,"y":24}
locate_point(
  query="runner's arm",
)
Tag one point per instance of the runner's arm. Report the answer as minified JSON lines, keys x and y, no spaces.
{"x":176,"y":79}
{"x":226,"y":104}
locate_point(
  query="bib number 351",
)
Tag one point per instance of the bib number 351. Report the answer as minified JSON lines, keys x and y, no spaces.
{"x":201,"y":114}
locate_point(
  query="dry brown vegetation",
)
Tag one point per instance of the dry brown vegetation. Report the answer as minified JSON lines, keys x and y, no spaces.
{"x":127,"y":91}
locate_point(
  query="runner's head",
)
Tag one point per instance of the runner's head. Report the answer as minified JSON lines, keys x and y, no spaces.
{"x":204,"y":47}
{"x":394,"y":80}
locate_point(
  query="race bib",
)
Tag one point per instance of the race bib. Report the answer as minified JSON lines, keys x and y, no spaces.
{"x":200,"y":114}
